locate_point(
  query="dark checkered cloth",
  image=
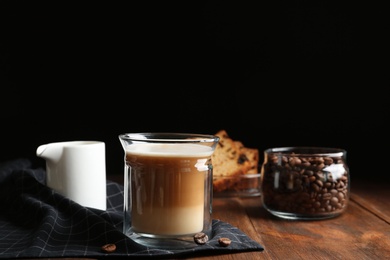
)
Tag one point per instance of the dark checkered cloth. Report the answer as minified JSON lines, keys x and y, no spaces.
{"x":36,"y":222}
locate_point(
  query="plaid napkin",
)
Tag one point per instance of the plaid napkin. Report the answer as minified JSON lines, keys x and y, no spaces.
{"x":36,"y":222}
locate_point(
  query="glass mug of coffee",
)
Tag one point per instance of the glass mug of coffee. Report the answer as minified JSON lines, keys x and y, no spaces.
{"x":167,"y":188}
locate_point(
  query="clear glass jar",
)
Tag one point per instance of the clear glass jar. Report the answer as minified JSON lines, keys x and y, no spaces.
{"x":305,"y":182}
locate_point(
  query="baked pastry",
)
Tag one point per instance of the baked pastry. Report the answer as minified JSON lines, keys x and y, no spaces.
{"x":230,"y":160}
{"x":252,"y":155}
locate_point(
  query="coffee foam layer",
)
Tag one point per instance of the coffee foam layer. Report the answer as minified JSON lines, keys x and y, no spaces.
{"x":170,"y":150}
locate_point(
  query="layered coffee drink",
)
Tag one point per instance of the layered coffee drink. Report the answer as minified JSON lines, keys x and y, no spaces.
{"x":168,"y":184}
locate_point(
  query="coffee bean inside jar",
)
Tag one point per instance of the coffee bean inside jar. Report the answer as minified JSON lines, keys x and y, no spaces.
{"x":305,"y":182}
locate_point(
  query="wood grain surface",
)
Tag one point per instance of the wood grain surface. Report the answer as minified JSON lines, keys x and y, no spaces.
{"x":361,"y":232}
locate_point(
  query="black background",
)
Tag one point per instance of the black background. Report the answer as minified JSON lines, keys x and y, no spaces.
{"x":279,"y":73}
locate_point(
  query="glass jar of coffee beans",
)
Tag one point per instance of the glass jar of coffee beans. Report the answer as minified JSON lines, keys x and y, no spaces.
{"x":305,"y":182}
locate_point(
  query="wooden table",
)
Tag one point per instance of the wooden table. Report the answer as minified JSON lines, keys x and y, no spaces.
{"x":362,"y":232}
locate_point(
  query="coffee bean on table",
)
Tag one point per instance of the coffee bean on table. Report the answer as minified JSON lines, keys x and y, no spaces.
{"x":109,"y":248}
{"x":224,"y":241}
{"x":201,"y":238}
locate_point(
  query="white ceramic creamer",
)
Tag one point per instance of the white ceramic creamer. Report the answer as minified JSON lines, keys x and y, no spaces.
{"x":77,"y":170}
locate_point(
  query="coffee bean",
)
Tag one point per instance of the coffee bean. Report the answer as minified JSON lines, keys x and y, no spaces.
{"x":201,"y":238}
{"x":304,"y":184}
{"x":224,"y":241}
{"x":109,"y":248}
